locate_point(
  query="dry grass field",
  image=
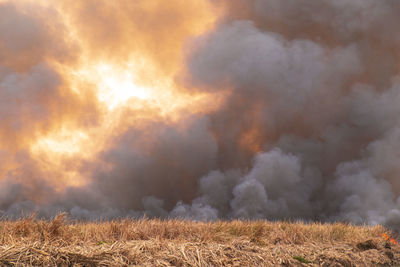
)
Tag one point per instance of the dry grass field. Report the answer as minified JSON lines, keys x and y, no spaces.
{"x":183,"y":243}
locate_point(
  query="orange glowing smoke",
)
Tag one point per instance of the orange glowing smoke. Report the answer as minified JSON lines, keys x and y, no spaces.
{"x":118,"y":59}
{"x":251,"y":141}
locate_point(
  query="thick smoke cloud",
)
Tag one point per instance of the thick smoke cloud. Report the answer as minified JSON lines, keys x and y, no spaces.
{"x":33,"y":96}
{"x":34,"y":99}
{"x":308,"y":130}
{"x":320,"y":88}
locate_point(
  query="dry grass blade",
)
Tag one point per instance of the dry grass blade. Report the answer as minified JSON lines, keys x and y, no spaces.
{"x":185,"y":243}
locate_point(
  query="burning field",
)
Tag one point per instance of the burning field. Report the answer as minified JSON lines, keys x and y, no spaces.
{"x":200,"y":110}
{"x":204,"y":110}
{"x":209,"y":118}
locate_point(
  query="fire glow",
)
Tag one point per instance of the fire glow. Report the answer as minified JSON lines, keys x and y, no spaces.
{"x":390,"y":239}
{"x":121,"y":80}
{"x":115,"y":84}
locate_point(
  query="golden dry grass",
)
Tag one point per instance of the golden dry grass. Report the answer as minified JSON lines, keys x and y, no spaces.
{"x":185,"y":243}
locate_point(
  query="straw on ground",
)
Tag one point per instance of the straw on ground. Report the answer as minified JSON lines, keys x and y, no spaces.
{"x":61,"y":242}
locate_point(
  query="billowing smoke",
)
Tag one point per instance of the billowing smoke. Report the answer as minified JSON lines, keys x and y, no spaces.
{"x":305,"y":123}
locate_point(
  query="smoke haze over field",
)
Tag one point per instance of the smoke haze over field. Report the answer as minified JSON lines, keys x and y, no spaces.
{"x":250,"y":109}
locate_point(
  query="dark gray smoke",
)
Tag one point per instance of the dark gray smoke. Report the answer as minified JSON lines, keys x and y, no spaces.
{"x":318,"y":80}
{"x":310,"y":129}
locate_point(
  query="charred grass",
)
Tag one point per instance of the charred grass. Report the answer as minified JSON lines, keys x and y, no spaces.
{"x":145,"y":242}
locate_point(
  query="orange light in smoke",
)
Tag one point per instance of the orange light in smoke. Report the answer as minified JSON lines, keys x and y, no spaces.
{"x":130,"y":75}
{"x":67,"y":142}
{"x":115,"y":84}
{"x":250,"y":140}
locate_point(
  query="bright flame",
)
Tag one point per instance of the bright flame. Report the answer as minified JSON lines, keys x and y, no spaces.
{"x":67,"y":142}
{"x":115,"y":84}
{"x":388,"y":238}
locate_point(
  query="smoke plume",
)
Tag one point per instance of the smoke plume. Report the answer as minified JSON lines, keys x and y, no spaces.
{"x":203,"y":110}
